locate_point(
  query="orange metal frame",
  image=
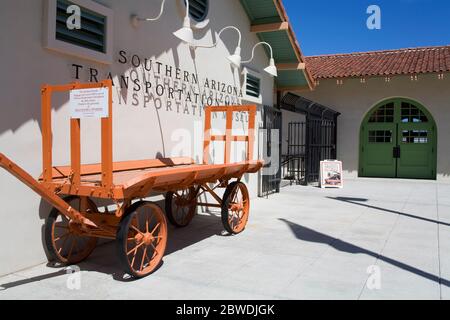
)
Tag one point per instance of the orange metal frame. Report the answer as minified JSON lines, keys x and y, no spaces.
{"x":228,"y":138}
{"x":75,"y":133}
{"x":173,"y":174}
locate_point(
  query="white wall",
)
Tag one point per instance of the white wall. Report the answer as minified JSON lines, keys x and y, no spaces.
{"x":355,"y":99}
{"x":140,"y":132}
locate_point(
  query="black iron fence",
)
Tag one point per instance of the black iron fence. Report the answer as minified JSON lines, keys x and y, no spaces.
{"x":321,"y":146}
{"x":309,"y":142}
{"x":271,"y":173}
{"x":294,"y":166}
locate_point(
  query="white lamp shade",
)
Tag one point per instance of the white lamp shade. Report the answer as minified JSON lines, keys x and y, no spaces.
{"x":272,"y":69}
{"x":185,"y":34}
{"x":236,"y":58}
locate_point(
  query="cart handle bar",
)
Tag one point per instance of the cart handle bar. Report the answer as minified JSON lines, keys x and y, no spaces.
{"x":40,"y":189}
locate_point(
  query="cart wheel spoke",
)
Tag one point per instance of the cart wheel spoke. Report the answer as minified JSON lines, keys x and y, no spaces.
{"x":154,"y":230}
{"x":134,"y":259}
{"x":143,"y":257}
{"x":136,"y":229}
{"x":65,"y":240}
{"x":150,"y":220}
{"x":155,"y":253}
{"x":64,"y":244}
{"x":235,"y":198}
{"x":235,"y":208}
{"x":135,"y":249}
{"x":62,"y":237}
{"x":181,"y":206}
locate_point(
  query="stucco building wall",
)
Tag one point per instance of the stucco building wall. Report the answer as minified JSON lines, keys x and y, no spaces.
{"x":355,"y":99}
{"x":144,"y":126}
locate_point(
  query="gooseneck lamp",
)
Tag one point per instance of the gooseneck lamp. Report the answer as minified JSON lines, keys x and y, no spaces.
{"x":135,"y":19}
{"x":271,"y":69}
{"x":186,"y":34}
{"x":235,"y":59}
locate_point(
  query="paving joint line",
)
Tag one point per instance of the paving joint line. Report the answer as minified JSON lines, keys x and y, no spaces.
{"x":309,"y":266}
{"x":387,"y":240}
{"x":439,"y":240}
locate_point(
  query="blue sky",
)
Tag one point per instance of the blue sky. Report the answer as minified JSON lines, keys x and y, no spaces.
{"x":332,"y":26}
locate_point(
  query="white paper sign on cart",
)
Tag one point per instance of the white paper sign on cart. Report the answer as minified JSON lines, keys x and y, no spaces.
{"x":331,"y":174}
{"x":89,"y":103}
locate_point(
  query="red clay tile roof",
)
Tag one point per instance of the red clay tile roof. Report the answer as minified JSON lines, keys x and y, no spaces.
{"x":380,"y":63}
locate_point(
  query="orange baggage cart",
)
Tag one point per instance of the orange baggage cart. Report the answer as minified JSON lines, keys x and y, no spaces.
{"x":138,"y":227}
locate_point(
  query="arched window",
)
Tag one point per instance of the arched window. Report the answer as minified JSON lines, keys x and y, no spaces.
{"x":412,"y":114}
{"x":384,"y":114}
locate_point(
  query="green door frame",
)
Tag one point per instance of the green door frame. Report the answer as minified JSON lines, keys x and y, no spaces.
{"x":397,"y":128}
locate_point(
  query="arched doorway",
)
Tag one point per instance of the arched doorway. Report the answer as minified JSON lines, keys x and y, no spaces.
{"x":398,"y":140}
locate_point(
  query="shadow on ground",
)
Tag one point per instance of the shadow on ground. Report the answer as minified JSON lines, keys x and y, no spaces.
{"x":104,"y":259}
{"x":310,"y":235}
{"x":360,"y":202}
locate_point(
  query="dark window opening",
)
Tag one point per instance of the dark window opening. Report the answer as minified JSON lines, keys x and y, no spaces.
{"x":412,"y":114}
{"x":92,"y":34}
{"x":253,"y":86}
{"x":415,"y":136}
{"x":380,"y":136}
{"x":198,"y":9}
{"x":384,"y":114}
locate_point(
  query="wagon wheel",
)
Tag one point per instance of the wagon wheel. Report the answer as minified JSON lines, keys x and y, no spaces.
{"x":235,"y":208}
{"x":142,"y":239}
{"x":181,"y":207}
{"x":64,"y":238}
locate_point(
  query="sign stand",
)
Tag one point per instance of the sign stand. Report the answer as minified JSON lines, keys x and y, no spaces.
{"x":331,"y":174}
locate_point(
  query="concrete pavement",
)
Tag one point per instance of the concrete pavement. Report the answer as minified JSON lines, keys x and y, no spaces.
{"x":374,"y":239}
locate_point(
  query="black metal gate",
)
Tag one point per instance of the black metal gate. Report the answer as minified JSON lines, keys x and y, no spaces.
{"x":294,"y":168}
{"x":309,"y":142}
{"x":271,"y":179}
{"x":321,"y":145}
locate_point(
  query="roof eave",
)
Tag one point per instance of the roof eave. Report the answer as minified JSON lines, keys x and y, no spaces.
{"x":283,"y":24}
{"x":283,"y":14}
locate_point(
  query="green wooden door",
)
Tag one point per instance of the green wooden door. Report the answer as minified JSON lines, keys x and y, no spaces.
{"x":416,"y":142}
{"x":379,"y":139}
{"x":398,"y":140}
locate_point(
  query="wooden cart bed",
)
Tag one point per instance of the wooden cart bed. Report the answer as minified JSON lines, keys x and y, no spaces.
{"x":139,"y":227}
{"x":170,"y":175}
